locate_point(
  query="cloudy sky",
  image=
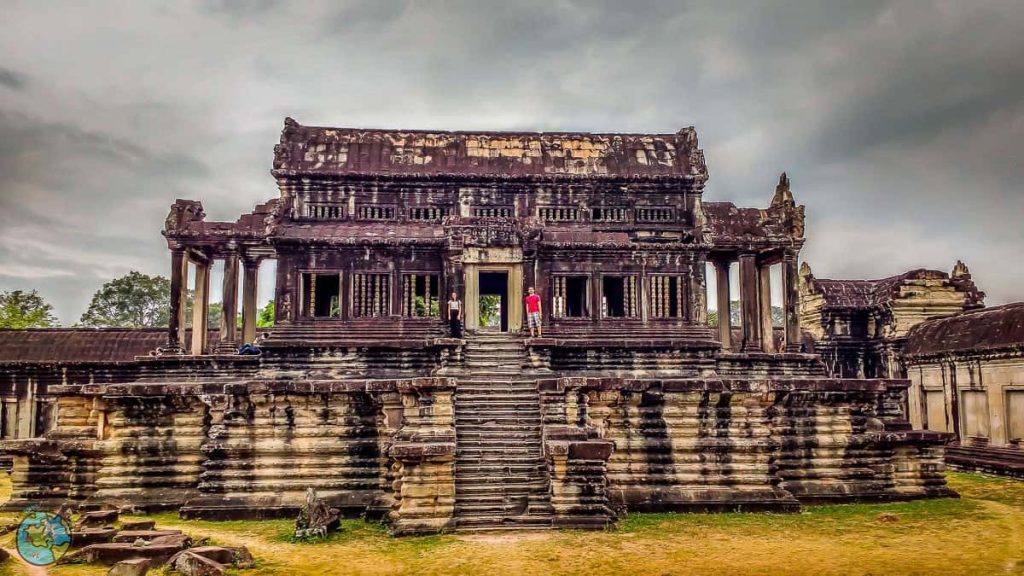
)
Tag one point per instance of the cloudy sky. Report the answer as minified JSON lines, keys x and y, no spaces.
{"x":900,"y":123}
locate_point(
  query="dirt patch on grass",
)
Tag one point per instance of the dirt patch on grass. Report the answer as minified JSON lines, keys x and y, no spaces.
{"x":980,"y":533}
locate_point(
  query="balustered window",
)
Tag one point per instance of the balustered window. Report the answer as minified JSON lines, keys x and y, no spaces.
{"x":420,"y":295}
{"x":655,"y":214}
{"x":667,"y":296}
{"x":325,"y":211}
{"x":619,"y":297}
{"x":494,"y":212}
{"x":426,"y":213}
{"x":608,"y":214}
{"x":570,"y":297}
{"x":321,"y":294}
{"x":371,"y":295}
{"x":558,"y":213}
{"x":375,"y":212}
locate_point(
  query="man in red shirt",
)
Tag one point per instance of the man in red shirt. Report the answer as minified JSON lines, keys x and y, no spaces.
{"x":532,"y":301}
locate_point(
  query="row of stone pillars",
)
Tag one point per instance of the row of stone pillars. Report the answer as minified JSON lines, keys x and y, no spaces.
{"x":756,"y":303}
{"x":229,"y":337}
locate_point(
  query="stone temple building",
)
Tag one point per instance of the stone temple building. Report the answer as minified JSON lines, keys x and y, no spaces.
{"x":629,"y":401}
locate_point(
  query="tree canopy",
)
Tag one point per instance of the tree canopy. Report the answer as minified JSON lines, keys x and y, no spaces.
{"x":265,"y":319}
{"x":134,"y":300}
{"x":19,"y":309}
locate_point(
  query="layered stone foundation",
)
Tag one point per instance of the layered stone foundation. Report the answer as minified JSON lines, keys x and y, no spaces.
{"x":249,"y":448}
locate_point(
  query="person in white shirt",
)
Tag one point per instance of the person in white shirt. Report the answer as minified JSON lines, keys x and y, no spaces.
{"x":455,"y":316}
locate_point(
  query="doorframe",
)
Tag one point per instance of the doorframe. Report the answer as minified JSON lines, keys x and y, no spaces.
{"x":514,"y":289}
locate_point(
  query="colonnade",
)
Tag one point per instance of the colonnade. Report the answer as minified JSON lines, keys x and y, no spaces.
{"x":755,"y":301}
{"x":230,"y":339}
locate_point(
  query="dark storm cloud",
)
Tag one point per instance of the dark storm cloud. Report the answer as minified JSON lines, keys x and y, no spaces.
{"x":13,"y":80}
{"x":899,"y":122}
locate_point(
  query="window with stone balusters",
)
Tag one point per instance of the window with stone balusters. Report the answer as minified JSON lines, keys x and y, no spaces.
{"x":371,"y":295}
{"x":420,"y":294}
{"x":570,"y":296}
{"x":321,"y":294}
{"x":619,"y":297}
{"x":666,"y":296}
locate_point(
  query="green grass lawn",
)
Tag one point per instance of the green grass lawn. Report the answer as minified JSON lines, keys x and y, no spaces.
{"x":980,"y":533}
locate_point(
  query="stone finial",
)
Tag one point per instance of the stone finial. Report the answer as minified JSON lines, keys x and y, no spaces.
{"x":805,"y":272}
{"x":783,"y":195}
{"x":961,"y":271}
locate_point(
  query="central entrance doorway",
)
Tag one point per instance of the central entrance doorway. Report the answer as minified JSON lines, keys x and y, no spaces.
{"x":494,"y":301}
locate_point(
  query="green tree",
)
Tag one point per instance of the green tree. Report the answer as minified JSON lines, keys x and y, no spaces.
{"x":20,"y":309}
{"x":265,"y":319}
{"x":490,"y":310}
{"x":134,"y":300}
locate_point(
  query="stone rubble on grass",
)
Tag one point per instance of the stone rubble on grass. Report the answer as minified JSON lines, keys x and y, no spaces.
{"x":137,"y":546}
{"x":130,"y":567}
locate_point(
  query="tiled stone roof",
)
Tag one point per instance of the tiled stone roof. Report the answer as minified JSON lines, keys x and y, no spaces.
{"x":79,"y":344}
{"x":981,"y":330}
{"x":308,"y":150}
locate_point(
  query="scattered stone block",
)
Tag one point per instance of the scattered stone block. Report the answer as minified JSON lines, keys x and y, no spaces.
{"x":138,"y":524}
{"x":191,"y":564}
{"x":238,"y":557}
{"x":148,"y":535}
{"x":87,"y":536}
{"x":97,"y":518}
{"x":179,"y":540}
{"x":114,"y":552}
{"x":130,"y":567}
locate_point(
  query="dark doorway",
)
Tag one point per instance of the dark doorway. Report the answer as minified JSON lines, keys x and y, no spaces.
{"x":494,"y":301}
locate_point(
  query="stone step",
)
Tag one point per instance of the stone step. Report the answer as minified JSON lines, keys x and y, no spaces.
{"x":496,"y":459}
{"x":466,"y":472}
{"x":523,"y":508}
{"x":514,"y":432}
{"x":488,"y":490}
{"x":495,"y":445}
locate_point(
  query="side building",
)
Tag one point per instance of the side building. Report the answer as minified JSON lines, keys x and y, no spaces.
{"x":860,"y":327}
{"x":967,"y":378}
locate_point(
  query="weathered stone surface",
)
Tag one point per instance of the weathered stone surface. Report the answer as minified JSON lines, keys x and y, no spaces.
{"x":132,"y":535}
{"x":191,"y":564}
{"x":87,"y":536}
{"x":238,"y":557}
{"x":97,"y":518}
{"x":138,"y":524}
{"x":131,"y":567}
{"x":108,"y":554}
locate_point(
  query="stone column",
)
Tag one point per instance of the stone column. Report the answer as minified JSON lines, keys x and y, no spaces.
{"x":249,"y":304}
{"x":516,"y":305}
{"x":764,"y":299}
{"x":791,"y":300}
{"x":748,"y":303}
{"x":201,"y":308}
{"x":228,"y":330}
{"x":179,"y":288}
{"x":471,"y":298}
{"x":724,"y":304}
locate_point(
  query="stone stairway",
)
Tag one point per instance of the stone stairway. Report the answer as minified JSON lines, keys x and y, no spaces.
{"x":501,"y":479}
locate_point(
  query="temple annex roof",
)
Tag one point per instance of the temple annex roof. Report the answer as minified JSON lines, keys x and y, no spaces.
{"x":79,"y":344}
{"x":982,"y":330}
{"x":324,"y":151}
{"x":867,"y":294}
